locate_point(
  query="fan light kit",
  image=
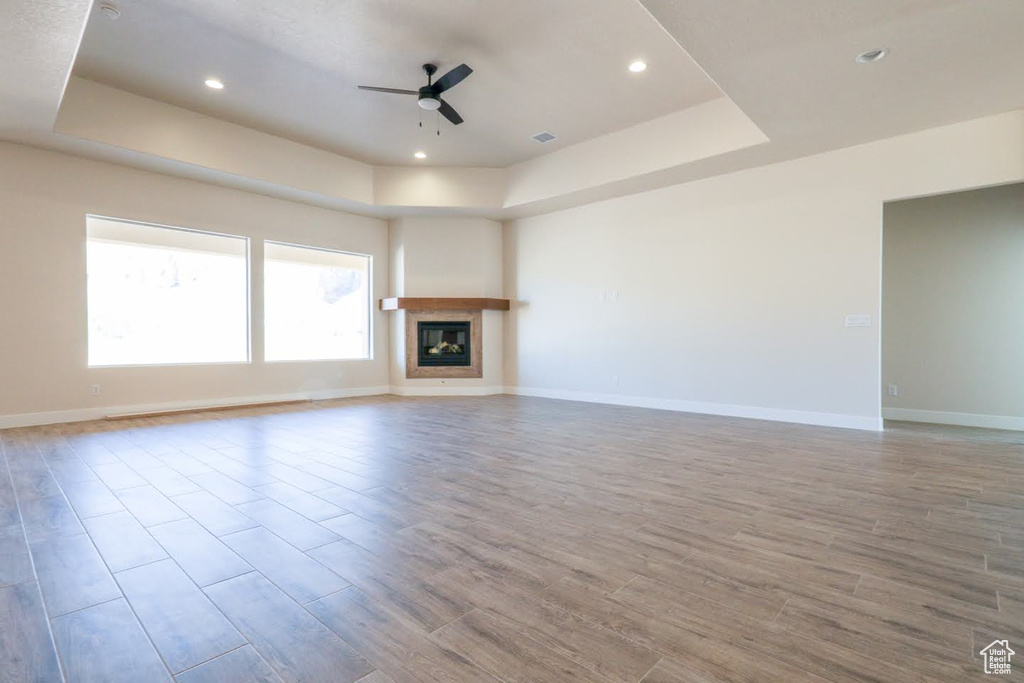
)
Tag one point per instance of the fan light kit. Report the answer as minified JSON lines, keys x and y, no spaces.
{"x":430,"y":94}
{"x":872,"y":56}
{"x":638,"y":66}
{"x":214,"y":84}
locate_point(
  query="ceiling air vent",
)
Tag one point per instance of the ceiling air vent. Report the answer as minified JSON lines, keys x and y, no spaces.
{"x":544,"y":137}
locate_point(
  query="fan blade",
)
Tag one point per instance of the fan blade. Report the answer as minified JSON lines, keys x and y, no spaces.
{"x":451,"y":79}
{"x":392,"y":90}
{"x":449,"y":113}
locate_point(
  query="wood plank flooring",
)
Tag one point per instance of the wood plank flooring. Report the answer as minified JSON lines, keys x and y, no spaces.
{"x":505,"y":540}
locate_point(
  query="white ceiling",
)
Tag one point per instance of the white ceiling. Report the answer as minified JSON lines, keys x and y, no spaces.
{"x":37,"y":46}
{"x":291,"y":69}
{"x":789,"y":64}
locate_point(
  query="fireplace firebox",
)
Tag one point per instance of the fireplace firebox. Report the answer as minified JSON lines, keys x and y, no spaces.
{"x":444,"y":343}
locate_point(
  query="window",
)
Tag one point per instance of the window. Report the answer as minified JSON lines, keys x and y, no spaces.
{"x":316,"y":303}
{"x":161,"y":296}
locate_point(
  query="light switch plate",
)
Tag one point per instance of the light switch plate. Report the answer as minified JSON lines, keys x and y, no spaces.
{"x":858,"y":320}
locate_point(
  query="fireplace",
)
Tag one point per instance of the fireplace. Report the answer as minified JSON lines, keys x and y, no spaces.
{"x":444,"y":343}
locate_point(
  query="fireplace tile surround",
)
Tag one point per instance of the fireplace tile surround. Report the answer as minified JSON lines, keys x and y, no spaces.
{"x":473,"y":365}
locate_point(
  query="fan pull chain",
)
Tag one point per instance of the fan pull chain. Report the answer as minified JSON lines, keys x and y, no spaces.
{"x":438,"y":124}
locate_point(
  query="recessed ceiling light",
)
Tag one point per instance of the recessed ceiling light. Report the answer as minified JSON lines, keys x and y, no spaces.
{"x":420,"y":155}
{"x":638,"y":66}
{"x":110,"y":10}
{"x":872,"y":55}
{"x":214,"y":84}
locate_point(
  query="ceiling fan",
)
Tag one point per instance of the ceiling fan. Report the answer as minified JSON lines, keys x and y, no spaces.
{"x":430,"y":94}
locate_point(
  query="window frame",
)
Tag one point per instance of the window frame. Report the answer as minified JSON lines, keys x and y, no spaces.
{"x":370,"y":327}
{"x":248,"y":294}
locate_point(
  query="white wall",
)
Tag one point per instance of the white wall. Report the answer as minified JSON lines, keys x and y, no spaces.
{"x":732,"y":291}
{"x":953,"y":308}
{"x":725,"y":295}
{"x":45,"y":196}
{"x":448,"y":257}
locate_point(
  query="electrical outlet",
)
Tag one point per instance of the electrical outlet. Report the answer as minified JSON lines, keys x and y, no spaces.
{"x":894,"y":390}
{"x":95,"y":390}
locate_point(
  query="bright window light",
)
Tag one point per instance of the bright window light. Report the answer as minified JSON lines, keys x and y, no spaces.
{"x":163,"y":296}
{"x":316,"y":304}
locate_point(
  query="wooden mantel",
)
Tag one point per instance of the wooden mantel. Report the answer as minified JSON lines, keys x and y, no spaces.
{"x":415,"y":303}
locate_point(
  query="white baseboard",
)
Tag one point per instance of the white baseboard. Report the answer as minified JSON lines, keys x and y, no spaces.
{"x":100,"y":412}
{"x":752,"y":412}
{"x":961,"y":419}
{"x":446,"y":391}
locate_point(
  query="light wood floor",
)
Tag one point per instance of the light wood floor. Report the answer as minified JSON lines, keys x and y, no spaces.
{"x":505,"y":539}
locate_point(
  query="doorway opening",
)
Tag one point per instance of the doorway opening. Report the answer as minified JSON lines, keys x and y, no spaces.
{"x":952,"y":323}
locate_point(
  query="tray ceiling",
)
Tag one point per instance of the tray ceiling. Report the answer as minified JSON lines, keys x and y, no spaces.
{"x":291,"y":69}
